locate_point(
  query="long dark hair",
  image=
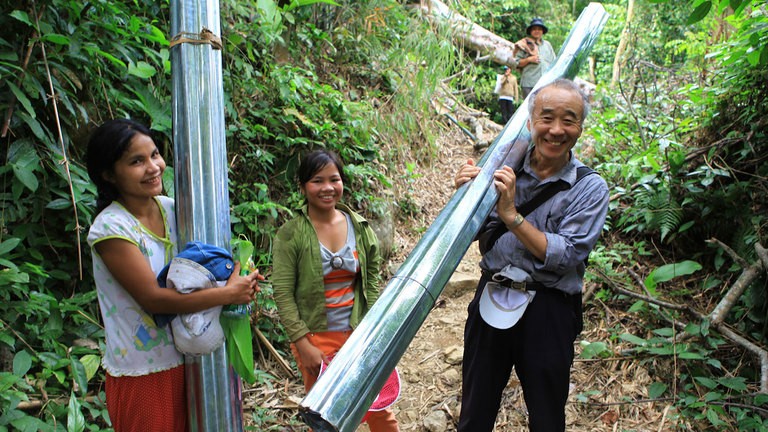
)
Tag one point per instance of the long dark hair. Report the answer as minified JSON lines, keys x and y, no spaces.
{"x":106,"y":146}
{"x":313,"y":162}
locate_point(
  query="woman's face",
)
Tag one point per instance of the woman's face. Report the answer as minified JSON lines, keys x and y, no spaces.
{"x":138,"y":173}
{"x":324,"y":189}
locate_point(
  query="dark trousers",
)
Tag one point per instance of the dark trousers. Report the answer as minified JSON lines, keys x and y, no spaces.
{"x":507,"y":109}
{"x":539,"y":347}
{"x":526,"y":91}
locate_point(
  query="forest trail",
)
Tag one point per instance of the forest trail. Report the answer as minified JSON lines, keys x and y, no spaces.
{"x":430,"y":368}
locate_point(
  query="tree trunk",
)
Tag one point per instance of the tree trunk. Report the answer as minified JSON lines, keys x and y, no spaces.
{"x":472,"y":35}
{"x":619,"y":61}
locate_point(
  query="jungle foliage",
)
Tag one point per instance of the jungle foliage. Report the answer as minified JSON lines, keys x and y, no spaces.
{"x":682,"y":141}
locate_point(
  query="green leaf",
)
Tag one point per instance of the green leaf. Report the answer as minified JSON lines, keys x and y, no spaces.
{"x":25,"y":162}
{"x":706,"y":382}
{"x":59,"y":204}
{"x":28,"y":423}
{"x":22,"y":362}
{"x":713,"y":396}
{"x":23,"y":17}
{"x":91,"y":364}
{"x":75,"y":418}
{"x":670,"y":271}
{"x":656,"y":389}
{"x":633,"y":339}
{"x":79,"y":375}
{"x":699,"y":13}
{"x":56,"y":38}
{"x":141,"y":69}
{"x":691,"y":356}
{"x":116,"y":61}
{"x":594,"y":350}
{"x":22,"y":98}
{"x":8,"y":245}
{"x":734,"y":383}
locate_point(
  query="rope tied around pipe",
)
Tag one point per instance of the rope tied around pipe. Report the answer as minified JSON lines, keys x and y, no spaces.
{"x":205,"y":37}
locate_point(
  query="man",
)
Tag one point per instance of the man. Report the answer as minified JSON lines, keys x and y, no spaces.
{"x":506,"y":88}
{"x":545,"y":252}
{"x":534,"y":55}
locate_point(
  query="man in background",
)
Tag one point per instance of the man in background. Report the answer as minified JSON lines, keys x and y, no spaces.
{"x":534,"y":55}
{"x":506,"y":88}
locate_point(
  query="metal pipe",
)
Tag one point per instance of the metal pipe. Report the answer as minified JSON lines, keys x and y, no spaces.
{"x":341,"y":396}
{"x":214,"y":395}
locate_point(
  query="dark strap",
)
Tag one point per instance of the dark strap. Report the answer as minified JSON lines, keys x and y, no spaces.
{"x":487,"y":240}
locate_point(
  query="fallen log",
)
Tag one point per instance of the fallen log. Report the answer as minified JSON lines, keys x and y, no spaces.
{"x":471,"y":35}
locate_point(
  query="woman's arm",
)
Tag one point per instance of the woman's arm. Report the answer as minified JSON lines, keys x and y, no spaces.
{"x":131,"y":270}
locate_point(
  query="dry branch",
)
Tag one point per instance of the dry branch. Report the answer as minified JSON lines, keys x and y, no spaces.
{"x":276,"y":355}
{"x":750,"y":273}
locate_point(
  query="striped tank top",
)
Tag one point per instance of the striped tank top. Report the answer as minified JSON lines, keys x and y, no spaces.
{"x":340,"y":270}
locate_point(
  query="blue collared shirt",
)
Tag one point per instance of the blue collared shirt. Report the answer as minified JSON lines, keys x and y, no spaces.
{"x":572,"y":221}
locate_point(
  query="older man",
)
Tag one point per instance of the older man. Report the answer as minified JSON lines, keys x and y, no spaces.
{"x":538,"y":257}
{"x":534,"y":55}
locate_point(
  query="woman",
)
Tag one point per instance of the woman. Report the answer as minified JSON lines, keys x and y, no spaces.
{"x":325,"y":273}
{"x":132,"y":238}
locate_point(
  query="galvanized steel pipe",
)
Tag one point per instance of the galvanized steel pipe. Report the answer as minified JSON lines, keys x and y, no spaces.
{"x":202,"y":201}
{"x":341,"y":396}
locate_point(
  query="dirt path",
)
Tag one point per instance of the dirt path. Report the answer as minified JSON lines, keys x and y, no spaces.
{"x":431,"y":366}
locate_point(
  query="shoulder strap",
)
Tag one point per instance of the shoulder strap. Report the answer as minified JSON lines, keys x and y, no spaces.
{"x":487,"y":241}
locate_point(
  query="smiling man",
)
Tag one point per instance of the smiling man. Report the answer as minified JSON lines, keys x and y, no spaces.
{"x":533,"y":257}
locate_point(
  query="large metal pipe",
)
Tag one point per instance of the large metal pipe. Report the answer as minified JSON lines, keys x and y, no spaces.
{"x":341,"y":396}
{"x":202,"y":201}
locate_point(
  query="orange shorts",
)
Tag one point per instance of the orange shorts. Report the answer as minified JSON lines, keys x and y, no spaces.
{"x":148,"y":403}
{"x":330,"y":343}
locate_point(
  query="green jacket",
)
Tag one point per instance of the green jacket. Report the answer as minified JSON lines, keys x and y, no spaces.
{"x":297,"y":274}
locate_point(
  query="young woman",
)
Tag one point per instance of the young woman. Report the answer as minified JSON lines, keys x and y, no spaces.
{"x":325,"y":272}
{"x":132,"y":238}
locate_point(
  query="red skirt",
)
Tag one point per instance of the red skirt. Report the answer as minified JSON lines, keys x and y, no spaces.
{"x":150,"y":403}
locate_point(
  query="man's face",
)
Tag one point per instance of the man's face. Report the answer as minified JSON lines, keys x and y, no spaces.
{"x":537,"y":32}
{"x":555,"y":123}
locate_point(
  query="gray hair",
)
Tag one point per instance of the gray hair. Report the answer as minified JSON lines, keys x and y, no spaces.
{"x":565,"y":84}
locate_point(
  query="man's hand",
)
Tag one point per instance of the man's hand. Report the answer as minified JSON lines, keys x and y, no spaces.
{"x":467,"y":172}
{"x":506,"y":182}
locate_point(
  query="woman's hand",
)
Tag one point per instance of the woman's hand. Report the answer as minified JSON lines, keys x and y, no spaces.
{"x":466,"y":173}
{"x":243,"y":289}
{"x":310,"y":356}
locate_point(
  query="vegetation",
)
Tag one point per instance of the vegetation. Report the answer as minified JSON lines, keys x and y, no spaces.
{"x":681,"y":137}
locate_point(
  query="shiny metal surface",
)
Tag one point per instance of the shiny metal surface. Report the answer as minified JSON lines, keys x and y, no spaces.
{"x":342,"y":395}
{"x":202,"y":200}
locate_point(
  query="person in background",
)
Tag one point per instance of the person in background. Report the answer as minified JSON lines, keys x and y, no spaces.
{"x":534,"y":55}
{"x":132,"y":238}
{"x":326,"y":272}
{"x":506,"y":88}
{"x":547,"y":252}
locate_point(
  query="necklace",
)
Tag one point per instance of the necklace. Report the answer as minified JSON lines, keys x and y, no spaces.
{"x":337,"y":262}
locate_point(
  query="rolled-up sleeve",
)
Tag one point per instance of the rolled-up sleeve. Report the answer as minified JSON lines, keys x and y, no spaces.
{"x":583,"y":218}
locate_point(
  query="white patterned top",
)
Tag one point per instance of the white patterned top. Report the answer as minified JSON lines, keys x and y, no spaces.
{"x":135,"y":346}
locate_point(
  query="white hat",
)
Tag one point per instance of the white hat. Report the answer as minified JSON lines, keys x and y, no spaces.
{"x":200,"y":332}
{"x":501,"y":307}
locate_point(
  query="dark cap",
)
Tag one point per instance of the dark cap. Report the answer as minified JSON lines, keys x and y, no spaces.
{"x":536,"y":22}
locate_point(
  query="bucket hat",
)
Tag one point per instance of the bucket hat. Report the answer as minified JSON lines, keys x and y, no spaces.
{"x":536,"y":22}
{"x":200,"y":332}
{"x":502,"y":306}
{"x":198,"y":266}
